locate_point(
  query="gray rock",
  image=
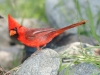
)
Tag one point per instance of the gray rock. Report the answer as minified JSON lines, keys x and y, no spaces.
{"x":8,"y":53}
{"x":75,"y":49}
{"x":45,"y":62}
{"x":4,"y":36}
{"x":69,"y":38}
{"x":81,"y":69}
{"x":58,"y":13}
{"x":63,"y":12}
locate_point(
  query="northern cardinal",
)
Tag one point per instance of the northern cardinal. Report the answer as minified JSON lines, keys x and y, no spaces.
{"x":36,"y":37}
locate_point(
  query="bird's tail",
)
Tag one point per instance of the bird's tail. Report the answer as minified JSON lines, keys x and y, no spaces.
{"x":59,"y":31}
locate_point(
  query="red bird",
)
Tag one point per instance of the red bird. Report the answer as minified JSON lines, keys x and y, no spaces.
{"x":35,"y":37}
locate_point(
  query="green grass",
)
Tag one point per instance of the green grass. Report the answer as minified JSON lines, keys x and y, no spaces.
{"x":91,"y":25}
{"x":84,"y":56}
{"x":24,"y":8}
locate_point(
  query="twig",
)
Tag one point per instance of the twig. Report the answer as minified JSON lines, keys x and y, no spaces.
{"x":2,"y":70}
{"x":12,"y":70}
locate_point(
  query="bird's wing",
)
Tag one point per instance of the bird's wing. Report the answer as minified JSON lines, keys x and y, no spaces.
{"x":39,"y":32}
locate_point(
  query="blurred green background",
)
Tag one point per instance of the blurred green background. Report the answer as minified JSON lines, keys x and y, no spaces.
{"x":23,"y":8}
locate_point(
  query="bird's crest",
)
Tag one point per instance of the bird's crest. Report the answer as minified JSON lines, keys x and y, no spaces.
{"x":12,"y":23}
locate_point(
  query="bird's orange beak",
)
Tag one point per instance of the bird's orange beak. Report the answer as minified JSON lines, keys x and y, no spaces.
{"x":12,"y":32}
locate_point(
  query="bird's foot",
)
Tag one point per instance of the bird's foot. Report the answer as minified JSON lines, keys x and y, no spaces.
{"x":35,"y":53}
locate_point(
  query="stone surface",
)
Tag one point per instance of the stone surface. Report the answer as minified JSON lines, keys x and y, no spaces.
{"x":69,"y":38}
{"x":45,"y":62}
{"x":4,"y":36}
{"x":75,"y":49}
{"x":81,"y":69}
{"x":63,"y":12}
{"x":9,"y":54}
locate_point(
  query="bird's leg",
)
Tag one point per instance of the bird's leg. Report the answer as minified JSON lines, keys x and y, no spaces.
{"x":38,"y":50}
{"x":43,"y":47}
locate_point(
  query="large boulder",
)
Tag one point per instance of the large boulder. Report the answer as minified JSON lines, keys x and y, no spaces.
{"x":81,"y":69}
{"x":45,"y":62}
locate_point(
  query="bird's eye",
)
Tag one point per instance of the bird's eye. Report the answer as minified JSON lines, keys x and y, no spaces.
{"x":15,"y":29}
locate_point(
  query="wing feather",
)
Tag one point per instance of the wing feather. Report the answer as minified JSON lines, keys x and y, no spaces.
{"x":30,"y":34}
